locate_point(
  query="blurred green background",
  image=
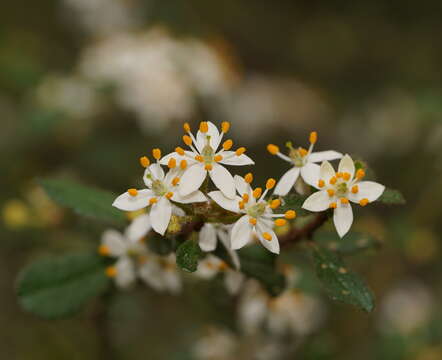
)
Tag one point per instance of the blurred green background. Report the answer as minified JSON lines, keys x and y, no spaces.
{"x":88,"y":86}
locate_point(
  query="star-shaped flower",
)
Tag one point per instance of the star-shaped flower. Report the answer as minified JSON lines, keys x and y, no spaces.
{"x":161,"y":189}
{"x":205,"y":158}
{"x":258,"y":217}
{"x":338,"y":189}
{"x":303,"y":162}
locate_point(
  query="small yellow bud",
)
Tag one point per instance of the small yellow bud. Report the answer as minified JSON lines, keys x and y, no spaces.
{"x":272,"y":149}
{"x":144,"y":161}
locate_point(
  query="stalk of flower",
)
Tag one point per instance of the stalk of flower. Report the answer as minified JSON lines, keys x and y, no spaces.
{"x":258,"y":217}
{"x":338,"y":189}
{"x":161,"y":190}
{"x":204,"y":159}
{"x":303,"y":162}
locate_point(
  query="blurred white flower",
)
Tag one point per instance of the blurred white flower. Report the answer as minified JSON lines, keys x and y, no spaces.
{"x":406,"y":308}
{"x":216,"y":344}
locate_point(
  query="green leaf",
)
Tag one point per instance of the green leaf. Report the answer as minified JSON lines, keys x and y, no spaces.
{"x":341,"y":283}
{"x":188,"y":254}
{"x":84,"y":200}
{"x":258,"y":263}
{"x":392,"y":197}
{"x":351,"y":243}
{"x":294,"y":202}
{"x":59,"y":287}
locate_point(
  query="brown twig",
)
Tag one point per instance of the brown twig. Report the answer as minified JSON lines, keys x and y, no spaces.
{"x":306,"y":232}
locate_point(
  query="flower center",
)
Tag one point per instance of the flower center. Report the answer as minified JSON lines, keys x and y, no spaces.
{"x":159,"y":188}
{"x":257,"y":210}
{"x":341,"y":189}
{"x":298,"y":155}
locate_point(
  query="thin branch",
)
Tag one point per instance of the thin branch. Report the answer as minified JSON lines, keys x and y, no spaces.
{"x":306,"y":232}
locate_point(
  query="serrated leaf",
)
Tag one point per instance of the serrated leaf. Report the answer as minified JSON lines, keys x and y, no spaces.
{"x":84,"y":200}
{"x":351,"y":243}
{"x":392,"y":197}
{"x":188,"y":254}
{"x":341,"y":283}
{"x":59,"y":287}
{"x":294,"y":202}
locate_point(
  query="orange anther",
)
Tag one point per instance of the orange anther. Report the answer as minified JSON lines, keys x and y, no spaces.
{"x":208,"y":167}
{"x":204,"y":126}
{"x":290,"y":214}
{"x":183,"y":164}
{"x":227,"y":145}
{"x":321,"y":183}
{"x":364,"y":202}
{"x":187,"y":140}
{"x":313,"y":137}
{"x":186,"y":127}
{"x":111,"y":271}
{"x":344,"y":200}
{"x":225,"y":126}
{"x":248,"y":178}
{"x":355,"y":189}
{"x":179,"y":150}
{"x":252,"y":221}
{"x":144,"y":161}
{"x":218,"y":158}
{"x":267,"y":236}
{"x":280,"y":222}
{"x":240,"y":151}
{"x":156,"y":153}
{"x":153,"y":201}
{"x":275,"y":203}
{"x":272,"y":149}
{"x":103,"y":250}
{"x":132,"y":192}
{"x":330,"y":192}
{"x":171,"y":163}
{"x":333,"y":180}
{"x":257,"y":192}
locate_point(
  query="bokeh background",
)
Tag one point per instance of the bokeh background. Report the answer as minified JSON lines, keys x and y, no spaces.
{"x":88,"y":86}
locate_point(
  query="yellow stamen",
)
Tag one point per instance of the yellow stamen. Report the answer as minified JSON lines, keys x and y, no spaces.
{"x":313,"y":137}
{"x":132,"y":192}
{"x":344,"y":200}
{"x":290,"y":214}
{"x":339,"y":175}
{"x":186,"y":127}
{"x":179,"y":150}
{"x":172,"y":163}
{"x":248,"y":178}
{"x":111,"y":271}
{"x":144,"y":161}
{"x":270,"y":183}
{"x":364,"y":202}
{"x":240,"y":151}
{"x":275,"y":203}
{"x":225,"y":126}
{"x":169,"y":195}
{"x":208,"y":167}
{"x":355,"y":189}
{"x":103,"y":250}
{"x":218,"y":158}
{"x":241,"y":204}
{"x":227,"y":145}
{"x":245,"y":197}
{"x":156,"y":153}
{"x":333,"y":180}
{"x":303,"y":152}
{"x":153,"y":201}
{"x":183,"y":164}
{"x":272,"y":149}
{"x":280,"y":222}
{"x":321,"y":183}
{"x":267,"y":236}
{"x":360,"y":174}
{"x":346,"y":176}
{"x":252,"y":221}
{"x":257,"y":192}
{"x":333,"y":205}
{"x":199,"y":158}
{"x":175,"y":181}
{"x":331,"y":192}
{"x":187,"y":140}
{"x":204,"y":126}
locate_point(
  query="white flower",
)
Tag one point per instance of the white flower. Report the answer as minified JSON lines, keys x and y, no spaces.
{"x":336,"y":190}
{"x":303,"y":162}
{"x":217,"y":344}
{"x":127,"y":249}
{"x":160,"y":190}
{"x":258,"y":214}
{"x":204,"y":159}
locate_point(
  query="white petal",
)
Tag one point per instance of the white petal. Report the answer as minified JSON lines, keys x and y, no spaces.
{"x":241,"y":233}
{"x":139,"y":227}
{"x":233,"y":281}
{"x":177,"y":211}
{"x":125,"y":272}
{"x":367,"y":190}
{"x":157,"y":171}
{"x":318,"y":201}
{"x":214,"y":137}
{"x":223,"y":180}
{"x":196,"y":196}
{"x":321,"y":156}
{"x":160,"y":215}
{"x":192,"y":179}
{"x":343,"y":218}
{"x":171,"y":174}
{"x":241,"y":186}
{"x":147,"y":178}
{"x":151,"y":273}
{"x":172,"y":281}
{"x":115,"y":242}
{"x":224,"y":202}
{"x":165,"y":159}
{"x":224,"y":236}
{"x":347,"y":165}
{"x":310,"y":173}
{"x":287,"y":181}
{"x":235,"y":160}
{"x":207,"y":238}
{"x":326,"y":172}
{"x":272,"y":245}
{"x":128,"y":202}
